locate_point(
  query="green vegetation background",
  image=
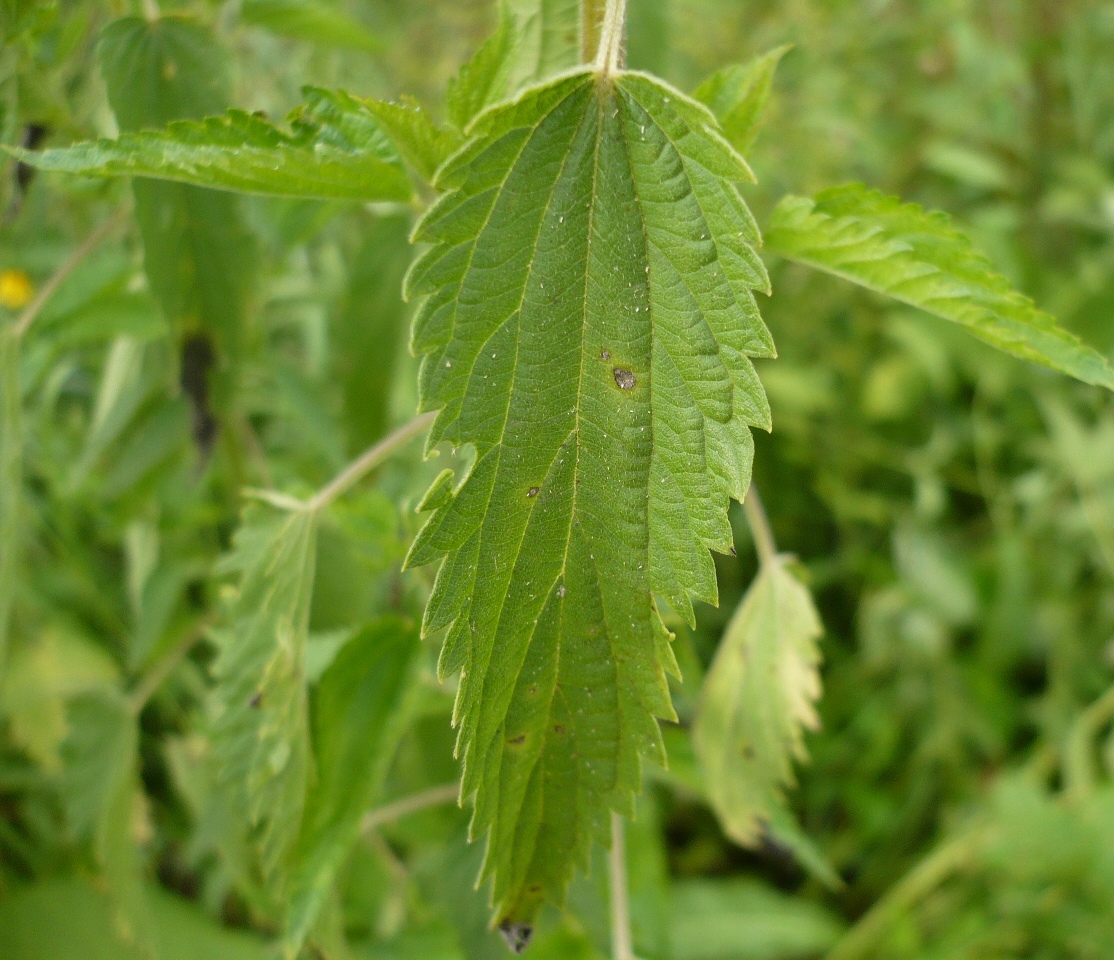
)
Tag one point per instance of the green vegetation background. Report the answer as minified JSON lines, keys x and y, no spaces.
{"x":952,"y":509}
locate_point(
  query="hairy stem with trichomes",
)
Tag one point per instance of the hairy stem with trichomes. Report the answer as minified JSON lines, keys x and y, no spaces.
{"x":609,"y":56}
{"x":622,"y":947}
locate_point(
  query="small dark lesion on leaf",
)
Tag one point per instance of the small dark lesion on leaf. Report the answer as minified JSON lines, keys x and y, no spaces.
{"x":256,"y":700}
{"x":517,"y":935}
{"x":624,"y":378}
{"x":533,"y":491}
{"x":517,"y":741}
{"x":747,"y":751}
{"x":605,"y":354}
{"x":558,"y":728}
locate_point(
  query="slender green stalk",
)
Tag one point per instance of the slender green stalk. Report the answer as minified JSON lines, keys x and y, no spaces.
{"x":153,"y":679}
{"x":609,"y":55}
{"x":1079,"y":765}
{"x":622,"y":947}
{"x":917,"y":884}
{"x":51,"y":286}
{"x":369,"y":460}
{"x":760,"y":526}
{"x":11,"y":473}
{"x":433,"y":797}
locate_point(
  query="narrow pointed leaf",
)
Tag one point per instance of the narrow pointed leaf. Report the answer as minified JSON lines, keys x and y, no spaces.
{"x":738,"y":95}
{"x":314,"y":21}
{"x":918,"y":257}
{"x":587,"y":324}
{"x":357,"y":709}
{"x":11,"y":480}
{"x":758,"y":699}
{"x":260,"y":725}
{"x":334,"y":150}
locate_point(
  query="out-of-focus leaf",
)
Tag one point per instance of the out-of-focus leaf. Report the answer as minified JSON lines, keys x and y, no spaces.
{"x":356,"y":723}
{"x":105,"y":318}
{"x":315,"y":21}
{"x":918,"y":257}
{"x":11,"y":480}
{"x":738,"y":95}
{"x":370,"y":328}
{"x":758,"y":699}
{"x":99,"y":787}
{"x":246,"y":153}
{"x":70,"y":920}
{"x":42,"y":675}
{"x":746,"y":920}
{"x":483,"y":80}
{"x":199,"y":257}
{"x":261,"y":735}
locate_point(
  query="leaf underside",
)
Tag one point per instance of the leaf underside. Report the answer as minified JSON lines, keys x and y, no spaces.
{"x":918,"y":257}
{"x":587,"y":325}
{"x":757,"y":700}
{"x":336,"y":150}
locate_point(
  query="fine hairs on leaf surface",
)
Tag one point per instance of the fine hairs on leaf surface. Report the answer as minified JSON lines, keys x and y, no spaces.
{"x":757,"y":700}
{"x":587,"y":322}
{"x":918,"y":257}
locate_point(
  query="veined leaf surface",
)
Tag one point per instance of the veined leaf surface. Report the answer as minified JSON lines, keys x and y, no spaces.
{"x":587,"y":326}
{"x":758,"y":698}
{"x":918,"y":257}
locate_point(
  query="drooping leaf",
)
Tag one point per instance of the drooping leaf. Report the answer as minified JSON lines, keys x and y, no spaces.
{"x":917,"y":256}
{"x":260,"y":726}
{"x":738,"y":95}
{"x":99,"y":785}
{"x":315,"y":21}
{"x":587,"y":326}
{"x":757,"y":701}
{"x":356,"y":711}
{"x":11,"y":480}
{"x":198,"y":255}
{"x":240,"y":151}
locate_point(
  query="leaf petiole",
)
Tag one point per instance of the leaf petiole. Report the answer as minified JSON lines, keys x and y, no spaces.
{"x":609,"y":56}
{"x":622,"y":947}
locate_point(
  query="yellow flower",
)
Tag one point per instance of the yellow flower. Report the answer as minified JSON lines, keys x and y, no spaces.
{"x":16,"y":289}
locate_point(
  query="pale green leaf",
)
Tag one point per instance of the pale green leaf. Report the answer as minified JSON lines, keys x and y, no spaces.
{"x":533,"y":40}
{"x":758,"y":699}
{"x":11,"y":480}
{"x":738,"y":95}
{"x":356,"y":712}
{"x":424,"y":144}
{"x":246,"y":153}
{"x":260,"y":725}
{"x":587,"y":324}
{"x":315,"y":21}
{"x":917,"y":256}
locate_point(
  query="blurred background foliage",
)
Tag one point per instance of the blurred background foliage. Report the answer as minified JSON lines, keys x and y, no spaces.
{"x":951,"y":508}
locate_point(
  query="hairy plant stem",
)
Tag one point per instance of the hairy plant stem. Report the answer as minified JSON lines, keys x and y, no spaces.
{"x":622,"y":947}
{"x":368,"y":461}
{"x":388,"y":813}
{"x":609,"y":56}
{"x":759,"y":527}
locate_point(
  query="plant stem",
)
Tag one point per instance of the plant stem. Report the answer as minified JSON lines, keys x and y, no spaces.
{"x":369,"y":460}
{"x":433,"y":797}
{"x":621,"y":945}
{"x":1079,"y":773}
{"x":152,"y":680}
{"x":609,"y":56}
{"x":760,"y":527}
{"x":51,"y":286}
{"x":917,"y":884}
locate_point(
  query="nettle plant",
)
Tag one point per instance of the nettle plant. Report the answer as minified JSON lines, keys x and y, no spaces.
{"x":586,"y":318}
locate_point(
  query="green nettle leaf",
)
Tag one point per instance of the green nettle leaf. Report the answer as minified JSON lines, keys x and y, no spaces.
{"x":918,"y":257}
{"x":11,"y":479}
{"x":356,"y":723}
{"x":587,"y":326}
{"x":310,"y":20}
{"x":260,"y":725}
{"x":738,"y":95}
{"x":758,"y":699}
{"x":424,"y":144}
{"x":335,"y":149}
{"x":548,"y":38}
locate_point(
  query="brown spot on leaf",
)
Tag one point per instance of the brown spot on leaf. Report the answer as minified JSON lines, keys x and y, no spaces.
{"x":533,"y":491}
{"x":624,"y":378}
